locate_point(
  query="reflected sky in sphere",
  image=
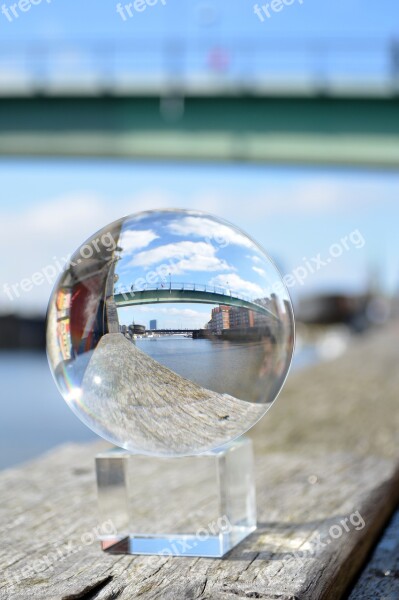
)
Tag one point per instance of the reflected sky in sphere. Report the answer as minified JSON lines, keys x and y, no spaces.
{"x":170,"y":332}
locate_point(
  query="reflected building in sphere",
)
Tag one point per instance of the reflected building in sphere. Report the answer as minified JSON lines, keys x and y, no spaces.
{"x":220,"y":319}
{"x":241,"y":318}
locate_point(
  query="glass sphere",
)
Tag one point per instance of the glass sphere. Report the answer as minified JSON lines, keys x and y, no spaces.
{"x":170,"y":332}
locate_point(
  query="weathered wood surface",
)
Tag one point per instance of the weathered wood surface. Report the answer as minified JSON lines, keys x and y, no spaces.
{"x":380,"y":579}
{"x":160,"y":411}
{"x":326,"y":454}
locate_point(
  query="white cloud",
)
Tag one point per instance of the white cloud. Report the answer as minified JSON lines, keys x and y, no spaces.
{"x":186,"y":256}
{"x":183,"y":312}
{"x":43,"y":236}
{"x":236,"y":284}
{"x":136,"y":239}
{"x":208,"y":229}
{"x":254,"y":258}
{"x":313,"y":195}
{"x":260,"y":271}
{"x":166,"y":316}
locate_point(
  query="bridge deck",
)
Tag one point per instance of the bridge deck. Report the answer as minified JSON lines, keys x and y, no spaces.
{"x":312,"y":130}
{"x":169,"y":295}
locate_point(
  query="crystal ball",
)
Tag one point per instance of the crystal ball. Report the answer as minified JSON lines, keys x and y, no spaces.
{"x":170,"y":332}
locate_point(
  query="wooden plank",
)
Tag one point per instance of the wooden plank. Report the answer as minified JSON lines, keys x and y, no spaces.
{"x":380,"y":579}
{"x":327,"y":461}
{"x":162,"y":411}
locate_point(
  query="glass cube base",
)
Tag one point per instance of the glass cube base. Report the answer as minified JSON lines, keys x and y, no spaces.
{"x":200,"y":505}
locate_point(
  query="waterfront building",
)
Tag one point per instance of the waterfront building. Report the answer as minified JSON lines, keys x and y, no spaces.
{"x":241,"y":318}
{"x":220,"y":319}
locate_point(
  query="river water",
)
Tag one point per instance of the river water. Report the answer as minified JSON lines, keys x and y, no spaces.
{"x":34,"y":417}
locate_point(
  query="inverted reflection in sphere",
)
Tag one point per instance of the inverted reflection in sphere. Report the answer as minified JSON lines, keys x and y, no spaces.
{"x":170,"y":332}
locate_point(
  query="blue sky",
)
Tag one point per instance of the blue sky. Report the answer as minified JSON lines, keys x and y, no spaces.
{"x":49,"y":208}
{"x":71,"y":27}
{"x":181,"y":18}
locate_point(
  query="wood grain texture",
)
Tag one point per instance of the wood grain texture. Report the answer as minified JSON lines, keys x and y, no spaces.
{"x":160,"y":411}
{"x":326,"y":452}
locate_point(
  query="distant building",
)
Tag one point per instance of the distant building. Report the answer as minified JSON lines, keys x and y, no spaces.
{"x":241,"y":318}
{"x":136,"y":329}
{"x":153,"y":324}
{"x":220,"y":319}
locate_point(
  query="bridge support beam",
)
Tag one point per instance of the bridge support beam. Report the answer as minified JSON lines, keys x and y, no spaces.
{"x":187,"y":296}
{"x":313,"y":130}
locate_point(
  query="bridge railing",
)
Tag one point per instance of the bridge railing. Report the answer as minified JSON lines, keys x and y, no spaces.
{"x":183,"y":286}
{"x":156,"y":64}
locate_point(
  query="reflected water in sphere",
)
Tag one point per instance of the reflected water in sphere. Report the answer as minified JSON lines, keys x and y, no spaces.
{"x":170,"y":332}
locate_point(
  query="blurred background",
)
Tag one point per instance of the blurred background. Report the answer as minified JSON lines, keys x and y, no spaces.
{"x":281,"y":118}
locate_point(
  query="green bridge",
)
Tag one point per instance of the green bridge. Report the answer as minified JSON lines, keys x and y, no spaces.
{"x":123,"y":109}
{"x":187,"y":293}
{"x":223,"y":127}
